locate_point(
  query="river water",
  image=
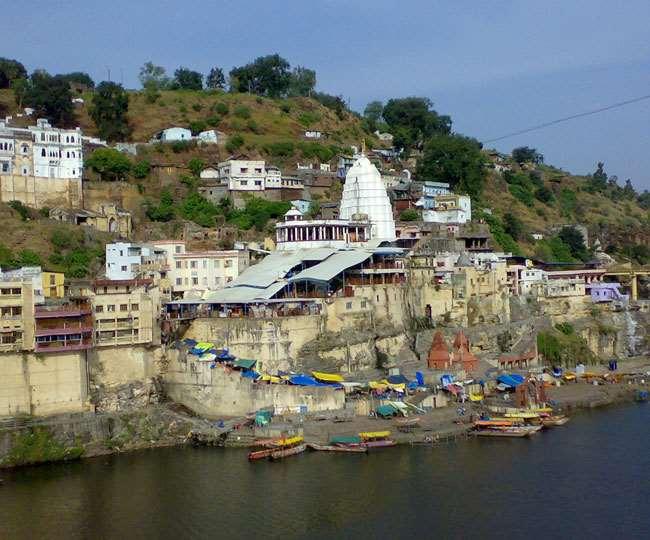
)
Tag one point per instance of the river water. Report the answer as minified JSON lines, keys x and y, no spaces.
{"x":589,"y":478}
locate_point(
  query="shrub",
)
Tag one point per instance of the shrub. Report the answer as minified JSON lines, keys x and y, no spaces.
{"x":409,"y":215}
{"x":199,"y":210}
{"x":213,"y":120}
{"x":141,"y":169}
{"x":110,"y":164}
{"x":195,"y":166}
{"x":243,"y":112}
{"x":197,"y":127}
{"x":316,"y":150}
{"x":21,"y":209}
{"x":197,"y":107}
{"x":27,"y":257}
{"x":521,"y":194}
{"x":164,"y":211}
{"x":308,"y":118}
{"x":285,"y":107}
{"x":234,"y":143}
{"x":63,"y":239}
{"x":252,"y":125}
{"x":180,"y":146}
{"x":279,"y":149}
{"x":220,"y":108}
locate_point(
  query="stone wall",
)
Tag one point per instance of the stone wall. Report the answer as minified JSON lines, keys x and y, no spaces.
{"x":220,"y":392}
{"x":43,"y":384}
{"x":40,"y":192}
{"x":274,"y":343}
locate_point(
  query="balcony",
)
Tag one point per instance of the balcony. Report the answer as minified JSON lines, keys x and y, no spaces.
{"x":62,"y":311}
{"x":64,"y":330}
{"x":77,"y":344}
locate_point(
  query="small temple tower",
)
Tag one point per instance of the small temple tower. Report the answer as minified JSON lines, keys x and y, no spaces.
{"x":364,"y":193}
{"x":462,"y":353}
{"x":460,"y":357}
{"x":439,"y":357}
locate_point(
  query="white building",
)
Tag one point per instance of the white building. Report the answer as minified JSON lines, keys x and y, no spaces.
{"x":295,"y":232}
{"x":253,"y":175}
{"x":449,"y":209}
{"x":32,"y":274}
{"x":173,"y":134}
{"x":126,"y":260}
{"x":41,"y":151}
{"x":365,"y":193}
{"x":194,"y":273}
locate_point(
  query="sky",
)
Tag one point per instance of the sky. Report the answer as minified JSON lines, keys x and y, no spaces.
{"x":495,"y":67}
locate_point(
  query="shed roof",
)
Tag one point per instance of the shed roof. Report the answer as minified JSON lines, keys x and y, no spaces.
{"x":332,"y":266}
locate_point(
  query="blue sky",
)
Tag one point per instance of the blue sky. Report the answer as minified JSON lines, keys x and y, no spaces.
{"x":495,"y":67}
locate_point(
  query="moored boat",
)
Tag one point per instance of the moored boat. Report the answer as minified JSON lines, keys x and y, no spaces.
{"x":338,"y":448}
{"x":376,"y":439}
{"x":505,"y":432}
{"x":274,"y":446}
{"x":286,"y":452}
{"x":557,"y":420}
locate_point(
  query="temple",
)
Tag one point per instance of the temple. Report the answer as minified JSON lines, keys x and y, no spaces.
{"x":364,"y":193}
{"x":461,"y":357}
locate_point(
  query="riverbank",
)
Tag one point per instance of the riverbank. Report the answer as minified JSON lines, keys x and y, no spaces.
{"x":29,"y":441}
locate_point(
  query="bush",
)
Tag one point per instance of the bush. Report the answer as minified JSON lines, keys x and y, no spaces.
{"x":257,"y":213}
{"x":243,"y":112}
{"x":285,"y":107}
{"x":214,"y":120}
{"x":164,"y":211}
{"x":544,"y":195}
{"x":316,"y":150}
{"x":221,"y":108}
{"x":197,"y":127}
{"x":110,"y":164}
{"x":409,"y":215}
{"x":21,"y":209}
{"x":180,"y":146}
{"x":63,"y":239}
{"x":195,"y":166}
{"x":253,"y":126}
{"x":141,"y":169}
{"x":279,"y":149}
{"x":199,"y":210}
{"x":501,"y":237}
{"x":234,"y":143}
{"x":197,"y":107}
{"x":27,"y":257}
{"x":308,"y":118}
{"x":521,"y":194}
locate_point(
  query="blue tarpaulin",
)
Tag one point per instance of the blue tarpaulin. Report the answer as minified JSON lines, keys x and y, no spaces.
{"x":250,"y":374}
{"x":419,"y":378}
{"x":446,"y":380}
{"x":190,"y":342}
{"x":397,"y":379}
{"x":306,"y":380}
{"x":512,"y":380}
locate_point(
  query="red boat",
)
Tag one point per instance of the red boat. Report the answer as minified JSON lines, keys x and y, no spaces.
{"x":280,"y":454}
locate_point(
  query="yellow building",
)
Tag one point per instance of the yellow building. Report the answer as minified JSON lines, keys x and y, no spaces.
{"x":53,"y":284}
{"x":16,"y":316}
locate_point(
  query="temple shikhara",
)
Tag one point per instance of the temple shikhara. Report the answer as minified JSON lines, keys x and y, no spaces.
{"x":460,"y":357}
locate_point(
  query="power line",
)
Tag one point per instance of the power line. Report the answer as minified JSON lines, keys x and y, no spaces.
{"x":567,"y":118}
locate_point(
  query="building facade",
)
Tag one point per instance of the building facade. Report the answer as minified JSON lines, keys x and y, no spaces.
{"x":41,"y":165}
{"x":127,"y":260}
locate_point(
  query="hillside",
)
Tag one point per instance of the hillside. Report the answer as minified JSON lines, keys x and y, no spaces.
{"x":528,"y":199}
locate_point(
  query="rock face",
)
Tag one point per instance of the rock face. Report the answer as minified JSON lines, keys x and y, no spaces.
{"x":130,"y":396}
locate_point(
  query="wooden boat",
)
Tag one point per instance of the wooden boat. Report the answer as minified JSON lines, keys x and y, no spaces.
{"x":279,"y":445}
{"x":495,"y":423}
{"x":286,"y":452}
{"x":376,"y":439}
{"x":338,"y":448}
{"x":506,"y":432}
{"x":557,"y":420}
{"x":379,"y":443}
{"x":368,"y":435}
{"x":522,"y":415}
{"x":408,"y":422}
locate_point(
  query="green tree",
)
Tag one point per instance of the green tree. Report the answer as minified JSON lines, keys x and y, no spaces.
{"x":573,"y":238}
{"x":141,"y":169}
{"x":20,"y":88}
{"x":234,"y":143}
{"x":545,"y":195}
{"x":199,"y":210}
{"x":215,"y":79}
{"x":186,"y":79}
{"x":335,"y":103}
{"x":598,"y":180}
{"x":110,"y":164}
{"x":27,"y":257}
{"x":302,"y":82}
{"x":164,"y":211}
{"x":525,"y":154}
{"x":79,"y":77}
{"x":267,"y":76}
{"x":153,"y":77}
{"x":50,"y":97}
{"x":454,"y":159}
{"x":10,"y":71}
{"x":415,"y":120}
{"x":628,"y":190}
{"x":373,"y":113}
{"x":409,"y":215}
{"x":109,"y":109}
{"x":513,"y":225}
{"x":196,"y":165}
{"x":22,"y":210}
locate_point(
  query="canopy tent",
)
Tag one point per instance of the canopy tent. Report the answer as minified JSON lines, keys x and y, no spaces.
{"x":386,"y":411}
{"x":327,"y":377}
{"x":512,"y":380}
{"x":345,"y":439}
{"x":397,"y":379}
{"x":243,"y":363}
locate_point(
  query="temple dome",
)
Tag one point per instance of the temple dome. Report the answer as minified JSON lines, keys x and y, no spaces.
{"x":364,"y":193}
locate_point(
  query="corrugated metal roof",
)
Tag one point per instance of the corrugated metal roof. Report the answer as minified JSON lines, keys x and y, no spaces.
{"x":332,"y":266}
{"x":243,"y":294}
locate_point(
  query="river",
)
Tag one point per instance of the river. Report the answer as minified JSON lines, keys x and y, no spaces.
{"x":586,"y":479}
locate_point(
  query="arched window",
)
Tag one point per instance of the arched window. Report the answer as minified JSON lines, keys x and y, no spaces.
{"x":67,"y":139}
{"x":43,"y":154}
{"x":67,"y":154}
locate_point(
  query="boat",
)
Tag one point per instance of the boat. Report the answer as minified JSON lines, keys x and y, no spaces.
{"x":505,"y":422}
{"x":408,"y":422}
{"x":286,"y":452}
{"x":338,"y":448}
{"x":376,"y":439}
{"x":556,"y":420}
{"x":349,"y":441}
{"x":522,"y":415}
{"x":279,"y":445}
{"x":505,"y":432}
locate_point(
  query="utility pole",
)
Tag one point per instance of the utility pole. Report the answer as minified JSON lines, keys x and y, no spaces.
{"x":108,"y":71}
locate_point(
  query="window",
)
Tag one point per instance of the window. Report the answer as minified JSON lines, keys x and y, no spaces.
{"x":348,"y":305}
{"x":99,"y":309}
{"x":243,"y":183}
{"x":110,"y":308}
{"x":179,"y":281}
{"x":217,"y":264}
{"x":258,"y":182}
{"x":124,"y":307}
{"x":25,"y":171}
{"x":195,"y":281}
{"x":5,"y":166}
{"x":178,"y":265}
{"x":135,"y":307}
{"x":177,"y":249}
{"x":258,"y":169}
{"x":123,"y":268}
{"x":363,"y":304}
{"x":243,"y":169}
{"x":193,"y":264}
{"x":205,"y":264}
{"x":52,"y":279}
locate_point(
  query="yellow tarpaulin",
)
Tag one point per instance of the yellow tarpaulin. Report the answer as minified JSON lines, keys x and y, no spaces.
{"x":476,"y":397}
{"x":290,"y":441}
{"x":270,"y":378}
{"x":377,"y":385}
{"x":203,"y":346}
{"x":374,"y":434}
{"x":327,"y":377}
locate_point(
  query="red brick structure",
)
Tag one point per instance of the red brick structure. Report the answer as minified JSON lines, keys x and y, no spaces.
{"x":462,"y":355}
{"x":439,"y":357}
